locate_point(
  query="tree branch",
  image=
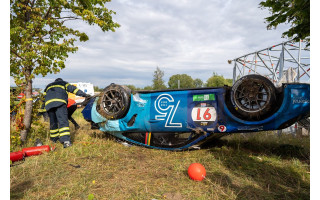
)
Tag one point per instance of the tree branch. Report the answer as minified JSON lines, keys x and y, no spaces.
{"x":47,"y":14}
{"x":15,"y":53}
{"x":32,"y":3}
{"x":71,"y":18}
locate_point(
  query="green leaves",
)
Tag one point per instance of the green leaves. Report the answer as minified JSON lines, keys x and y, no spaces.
{"x":83,"y":37}
{"x":181,"y":80}
{"x":296,"y":12}
{"x":41,"y":42}
{"x":218,"y":81}
{"x":158,"y":82}
{"x":90,"y":197}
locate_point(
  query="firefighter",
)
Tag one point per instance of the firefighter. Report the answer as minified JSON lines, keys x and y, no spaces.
{"x":56,"y":98}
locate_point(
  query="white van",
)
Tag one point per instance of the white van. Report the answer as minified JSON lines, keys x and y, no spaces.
{"x":85,"y":87}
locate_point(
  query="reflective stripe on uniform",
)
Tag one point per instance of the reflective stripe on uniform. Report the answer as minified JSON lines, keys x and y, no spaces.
{"x":54,"y":135}
{"x":54,"y":131}
{"x":75,"y":91}
{"x":64,"y":129}
{"x":41,"y":110}
{"x":65,"y":133}
{"x":60,"y":86}
{"x":52,"y":100}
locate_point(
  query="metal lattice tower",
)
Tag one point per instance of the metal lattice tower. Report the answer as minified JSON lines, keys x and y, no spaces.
{"x":275,"y":62}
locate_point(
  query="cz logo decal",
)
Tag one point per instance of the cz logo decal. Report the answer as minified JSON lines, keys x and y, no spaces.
{"x":166,"y":107}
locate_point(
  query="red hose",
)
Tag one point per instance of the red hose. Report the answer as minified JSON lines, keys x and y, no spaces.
{"x":33,"y":151}
{"x":15,"y":156}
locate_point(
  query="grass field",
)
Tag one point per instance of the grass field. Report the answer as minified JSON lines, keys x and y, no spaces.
{"x":256,"y":166}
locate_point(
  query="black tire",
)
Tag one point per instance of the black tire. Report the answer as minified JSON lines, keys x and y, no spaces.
{"x":114,"y":101}
{"x":253,"y":97}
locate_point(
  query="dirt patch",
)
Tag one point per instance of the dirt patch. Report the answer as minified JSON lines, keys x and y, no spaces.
{"x":17,"y":190}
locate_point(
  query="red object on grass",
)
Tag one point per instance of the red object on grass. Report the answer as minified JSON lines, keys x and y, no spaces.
{"x":15,"y":156}
{"x":197,"y":172}
{"x":32,"y":151}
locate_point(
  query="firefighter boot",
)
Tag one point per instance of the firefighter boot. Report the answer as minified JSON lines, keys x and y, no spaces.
{"x":67,"y":144}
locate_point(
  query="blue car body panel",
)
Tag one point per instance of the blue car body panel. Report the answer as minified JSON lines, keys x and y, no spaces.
{"x":196,"y":109}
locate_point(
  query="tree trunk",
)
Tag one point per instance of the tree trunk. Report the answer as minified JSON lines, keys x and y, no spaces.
{"x":28,"y":108}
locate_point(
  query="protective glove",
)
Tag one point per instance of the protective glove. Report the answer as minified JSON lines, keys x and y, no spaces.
{"x":88,"y":96}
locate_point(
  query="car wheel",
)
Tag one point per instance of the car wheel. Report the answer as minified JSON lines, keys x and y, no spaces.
{"x":253,"y":97}
{"x":114,"y":101}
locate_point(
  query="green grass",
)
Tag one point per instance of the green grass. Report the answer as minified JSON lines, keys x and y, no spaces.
{"x":258,"y":166}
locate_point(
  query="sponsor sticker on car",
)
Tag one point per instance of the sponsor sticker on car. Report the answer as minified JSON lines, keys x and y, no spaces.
{"x":204,"y":97}
{"x":222,"y":128}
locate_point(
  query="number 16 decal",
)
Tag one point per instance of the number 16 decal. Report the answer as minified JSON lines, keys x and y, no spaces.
{"x":207,"y":114}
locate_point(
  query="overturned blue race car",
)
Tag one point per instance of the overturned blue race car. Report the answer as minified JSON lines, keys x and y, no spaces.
{"x":188,"y":118}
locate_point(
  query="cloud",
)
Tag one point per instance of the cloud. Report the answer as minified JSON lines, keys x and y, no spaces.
{"x":180,"y":36}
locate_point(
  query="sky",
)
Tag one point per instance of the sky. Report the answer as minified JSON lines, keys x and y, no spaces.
{"x":178,"y":36}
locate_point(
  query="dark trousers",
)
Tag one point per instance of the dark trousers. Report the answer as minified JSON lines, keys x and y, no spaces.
{"x":59,"y":124}
{"x":45,"y":115}
{"x":71,"y":110}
